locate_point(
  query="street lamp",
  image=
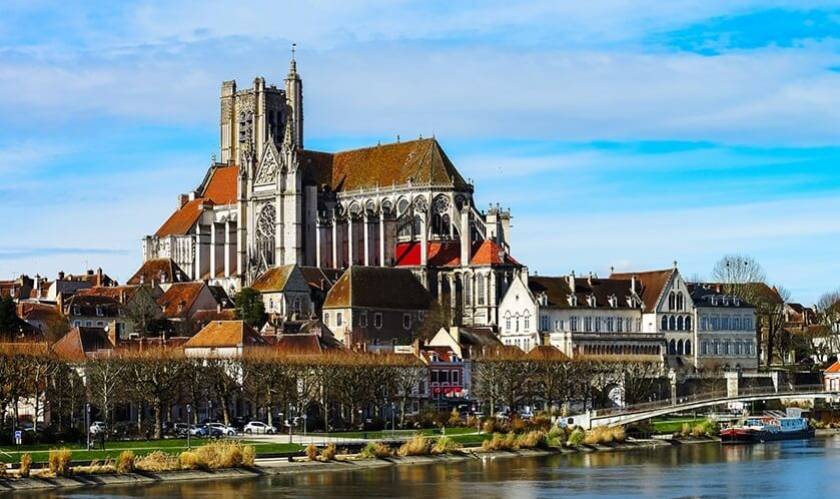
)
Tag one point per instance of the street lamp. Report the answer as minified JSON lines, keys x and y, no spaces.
{"x":289,"y":422}
{"x":87,"y":423}
{"x":189,"y":429}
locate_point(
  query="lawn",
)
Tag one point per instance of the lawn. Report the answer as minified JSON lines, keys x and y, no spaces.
{"x":673,"y":425}
{"x":388,"y":434}
{"x":40,"y":452}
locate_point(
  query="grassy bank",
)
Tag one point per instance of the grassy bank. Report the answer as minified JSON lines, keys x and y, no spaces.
{"x":386,"y":434}
{"x":40,"y":452}
{"x":674,"y":425}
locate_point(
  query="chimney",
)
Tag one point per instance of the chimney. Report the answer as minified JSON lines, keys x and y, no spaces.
{"x":572,"y":281}
{"x":99,"y":281}
{"x":60,"y":275}
{"x":182,"y":200}
{"x":633,"y":284}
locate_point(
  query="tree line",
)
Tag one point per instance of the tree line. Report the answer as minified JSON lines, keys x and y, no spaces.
{"x":334,"y":389}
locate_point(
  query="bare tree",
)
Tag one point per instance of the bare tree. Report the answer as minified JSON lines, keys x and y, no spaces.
{"x":106,"y":381}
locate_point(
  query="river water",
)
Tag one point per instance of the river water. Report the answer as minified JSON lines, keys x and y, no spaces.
{"x":808,"y":469}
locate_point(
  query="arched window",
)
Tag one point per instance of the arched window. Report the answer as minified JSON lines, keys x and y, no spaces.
{"x":704,"y":348}
{"x":680,"y":301}
{"x":672,"y":323}
{"x":688,"y":323}
{"x":664,"y":323}
{"x":672,"y":301}
{"x":527,"y":325}
{"x":517,"y":323}
{"x":688,"y":347}
{"x":479,"y":289}
{"x":737,"y":348}
{"x":680,"y":347}
{"x":672,"y":347}
{"x":507,"y":321}
{"x":680,"y":323}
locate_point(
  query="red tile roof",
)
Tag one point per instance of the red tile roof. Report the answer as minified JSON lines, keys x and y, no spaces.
{"x":491,"y":253}
{"x":439,"y":254}
{"x":273,"y":279}
{"x":180,"y":222}
{"x":834,"y":368}
{"x":222,"y":334}
{"x":418,"y":161}
{"x":157,"y":271}
{"x":378,"y":287}
{"x":222,"y":186}
{"x":652,"y":284}
{"x":179,"y":298}
{"x":80,"y":342}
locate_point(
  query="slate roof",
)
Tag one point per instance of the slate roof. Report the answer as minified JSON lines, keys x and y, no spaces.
{"x":417,"y":161}
{"x":702,"y":293}
{"x":221,"y":334}
{"x":378,"y":287}
{"x":80,"y":305}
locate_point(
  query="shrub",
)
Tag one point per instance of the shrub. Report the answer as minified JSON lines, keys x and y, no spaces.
{"x":328,"y":453}
{"x":25,"y":465}
{"x":517,"y":425}
{"x":188,"y":460}
{"x":454,"y":418}
{"x":541,"y":422}
{"x":472,"y":422}
{"x":445,"y":445}
{"x":576,"y":437}
{"x":533,"y":440}
{"x":376,"y":450}
{"x":157,"y":461}
{"x":311,"y":452}
{"x":618,"y":434}
{"x":125,"y":462}
{"x":557,"y":432}
{"x":59,"y":461}
{"x":249,"y":455}
{"x":704,"y":429}
{"x":685,"y":430}
{"x":416,"y":446}
{"x":95,"y":467}
{"x":500,"y":442}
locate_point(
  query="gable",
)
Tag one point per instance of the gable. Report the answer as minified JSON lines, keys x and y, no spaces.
{"x":269,"y":166}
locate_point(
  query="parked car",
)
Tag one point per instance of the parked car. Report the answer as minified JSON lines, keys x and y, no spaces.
{"x":199,"y":431}
{"x":180,"y":429}
{"x":221,"y":429}
{"x":98,"y":427}
{"x":259,"y":427}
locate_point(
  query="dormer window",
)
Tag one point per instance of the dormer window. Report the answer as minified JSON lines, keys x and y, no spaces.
{"x":714,"y":300}
{"x":725,"y":301}
{"x":736,"y":301}
{"x":613,"y":301}
{"x":592,"y":301}
{"x":76,"y":310}
{"x":573,"y":300}
{"x":99,"y":311}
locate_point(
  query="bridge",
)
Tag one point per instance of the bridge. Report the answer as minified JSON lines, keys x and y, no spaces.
{"x":641,"y":412}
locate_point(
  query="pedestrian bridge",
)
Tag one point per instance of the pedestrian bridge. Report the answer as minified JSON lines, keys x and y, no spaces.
{"x":641,"y":412}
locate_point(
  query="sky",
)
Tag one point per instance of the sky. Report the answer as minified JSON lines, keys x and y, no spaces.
{"x":624,"y":134}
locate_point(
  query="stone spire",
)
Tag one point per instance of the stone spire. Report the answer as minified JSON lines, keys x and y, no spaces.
{"x":294,"y":95}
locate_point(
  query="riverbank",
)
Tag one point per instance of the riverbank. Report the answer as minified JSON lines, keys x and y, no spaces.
{"x":267,"y":467}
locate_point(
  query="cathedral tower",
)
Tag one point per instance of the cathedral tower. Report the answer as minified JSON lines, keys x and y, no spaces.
{"x":294,"y":94}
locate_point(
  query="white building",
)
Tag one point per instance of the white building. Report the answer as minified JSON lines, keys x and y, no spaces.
{"x":579,"y":316}
{"x":726,"y":331}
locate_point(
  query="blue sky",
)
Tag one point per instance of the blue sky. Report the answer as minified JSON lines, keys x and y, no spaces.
{"x":625,"y":134}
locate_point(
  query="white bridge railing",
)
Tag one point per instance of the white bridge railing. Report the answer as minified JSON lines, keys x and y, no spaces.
{"x":712,"y":396}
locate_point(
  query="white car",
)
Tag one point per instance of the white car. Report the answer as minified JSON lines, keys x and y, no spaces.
{"x":98,"y":427}
{"x":225,"y":430}
{"x":259,"y":427}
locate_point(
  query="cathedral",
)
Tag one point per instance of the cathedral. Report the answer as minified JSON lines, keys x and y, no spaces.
{"x":269,"y":202}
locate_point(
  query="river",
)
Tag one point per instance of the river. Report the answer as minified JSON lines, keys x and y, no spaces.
{"x":808,"y":469}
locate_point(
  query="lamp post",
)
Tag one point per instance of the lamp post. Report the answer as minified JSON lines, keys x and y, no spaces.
{"x":393,"y":421}
{"x":289,"y":422}
{"x":87,"y":424}
{"x":304,"y":424}
{"x":189,"y":429}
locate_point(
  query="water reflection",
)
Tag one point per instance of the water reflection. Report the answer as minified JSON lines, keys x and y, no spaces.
{"x":781,"y":469}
